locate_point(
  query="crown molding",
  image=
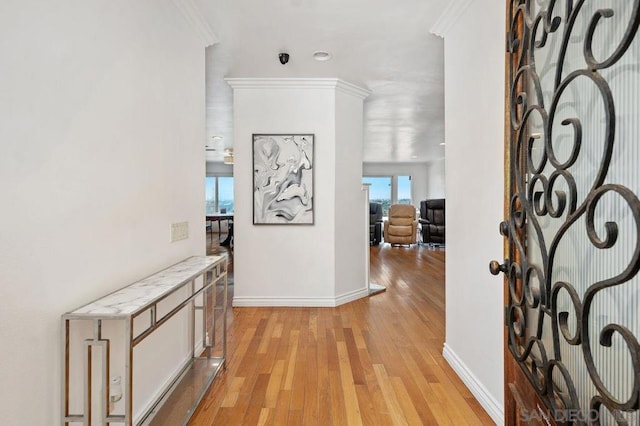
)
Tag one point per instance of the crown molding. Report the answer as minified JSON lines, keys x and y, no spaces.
{"x":352,"y":89}
{"x":299,"y":83}
{"x":449,"y":16}
{"x":196,"y":20}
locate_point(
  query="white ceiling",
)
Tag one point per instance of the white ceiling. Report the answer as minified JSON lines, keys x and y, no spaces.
{"x":382,"y":45}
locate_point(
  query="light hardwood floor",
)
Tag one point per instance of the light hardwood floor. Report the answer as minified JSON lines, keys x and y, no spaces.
{"x":376,"y":361}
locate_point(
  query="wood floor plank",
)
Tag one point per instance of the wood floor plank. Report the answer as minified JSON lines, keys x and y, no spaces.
{"x":281,"y":411}
{"x":224,"y":416}
{"x":233,"y":392}
{"x":433,"y":404}
{"x":273,"y":387}
{"x":269,"y":329}
{"x":337,"y":401}
{"x":296,"y":418}
{"x":357,"y":371}
{"x":376,"y":361}
{"x":408,"y":409}
{"x":348,"y":386}
{"x":310,"y":379}
{"x":375,"y":392}
{"x":457,"y":416}
{"x":389,"y":395}
{"x":265,"y":413}
{"x":256,"y":403}
{"x":298,"y":392}
{"x":291,"y":361}
{"x":368,"y":412}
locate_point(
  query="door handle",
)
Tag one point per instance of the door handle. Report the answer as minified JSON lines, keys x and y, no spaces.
{"x":504,"y":228}
{"x":495,"y":267}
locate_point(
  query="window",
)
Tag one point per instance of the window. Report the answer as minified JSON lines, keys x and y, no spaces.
{"x":388,"y":190}
{"x":404,"y":190}
{"x":210,"y":195}
{"x":218,"y":194}
{"x":225,"y":194}
{"x":380,"y":191}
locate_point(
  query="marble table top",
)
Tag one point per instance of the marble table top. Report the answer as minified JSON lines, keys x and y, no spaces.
{"x":139,"y":295}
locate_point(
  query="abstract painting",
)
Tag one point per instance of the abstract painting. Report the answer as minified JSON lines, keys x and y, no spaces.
{"x":283,"y":179}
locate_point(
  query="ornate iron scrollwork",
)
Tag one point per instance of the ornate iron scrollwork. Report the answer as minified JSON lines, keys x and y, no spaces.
{"x":549,"y":316}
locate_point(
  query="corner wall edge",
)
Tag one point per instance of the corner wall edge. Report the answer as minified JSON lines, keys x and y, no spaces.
{"x":449,"y":16}
{"x":196,"y":20}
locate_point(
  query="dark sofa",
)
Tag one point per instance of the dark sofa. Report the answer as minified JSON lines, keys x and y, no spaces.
{"x":375,"y":223}
{"x":432,"y":220}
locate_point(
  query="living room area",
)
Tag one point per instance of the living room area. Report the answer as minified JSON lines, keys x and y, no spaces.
{"x":408,"y":184}
{"x":388,"y":184}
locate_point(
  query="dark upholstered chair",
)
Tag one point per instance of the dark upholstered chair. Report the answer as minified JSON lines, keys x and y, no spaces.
{"x":432,"y":221}
{"x":375,"y":223}
{"x":401,"y":226}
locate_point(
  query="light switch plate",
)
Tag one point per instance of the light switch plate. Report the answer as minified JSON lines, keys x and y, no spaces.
{"x":179,"y":231}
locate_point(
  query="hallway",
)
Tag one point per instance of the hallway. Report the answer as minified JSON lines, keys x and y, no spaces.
{"x":375,"y":361}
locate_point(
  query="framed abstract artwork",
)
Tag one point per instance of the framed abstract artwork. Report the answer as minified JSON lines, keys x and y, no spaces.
{"x":283,"y":179}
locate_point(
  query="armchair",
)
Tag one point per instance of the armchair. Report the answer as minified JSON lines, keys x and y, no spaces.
{"x":375,"y":223}
{"x":432,"y":220}
{"x":402,"y":225}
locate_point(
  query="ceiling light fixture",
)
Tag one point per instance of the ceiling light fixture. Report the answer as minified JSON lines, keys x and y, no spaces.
{"x":321,"y":55}
{"x":228,"y":156}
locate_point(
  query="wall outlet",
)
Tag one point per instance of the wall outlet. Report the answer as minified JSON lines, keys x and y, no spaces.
{"x":179,"y":231}
{"x":115,"y":390}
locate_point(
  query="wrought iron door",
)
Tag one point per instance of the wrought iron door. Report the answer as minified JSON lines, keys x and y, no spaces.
{"x":573,"y":229}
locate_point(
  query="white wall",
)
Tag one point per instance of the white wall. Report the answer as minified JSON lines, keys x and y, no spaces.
{"x":102,"y":111}
{"x":436,"y":179}
{"x":351,"y":235}
{"x":474,"y":190}
{"x":296,"y":265}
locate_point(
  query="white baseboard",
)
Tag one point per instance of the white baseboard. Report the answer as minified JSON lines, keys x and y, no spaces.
{"x":307,"y":302}
{"x":493,"y":407}
{"x":351,"y":296}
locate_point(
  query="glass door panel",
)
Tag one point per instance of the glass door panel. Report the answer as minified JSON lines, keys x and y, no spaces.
{"x":572,"y":315}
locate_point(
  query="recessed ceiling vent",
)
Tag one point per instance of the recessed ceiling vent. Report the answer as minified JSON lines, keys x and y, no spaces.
{"x":321,"y":55}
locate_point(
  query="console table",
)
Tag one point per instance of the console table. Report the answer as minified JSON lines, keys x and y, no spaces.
{"x":142,"y":298}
